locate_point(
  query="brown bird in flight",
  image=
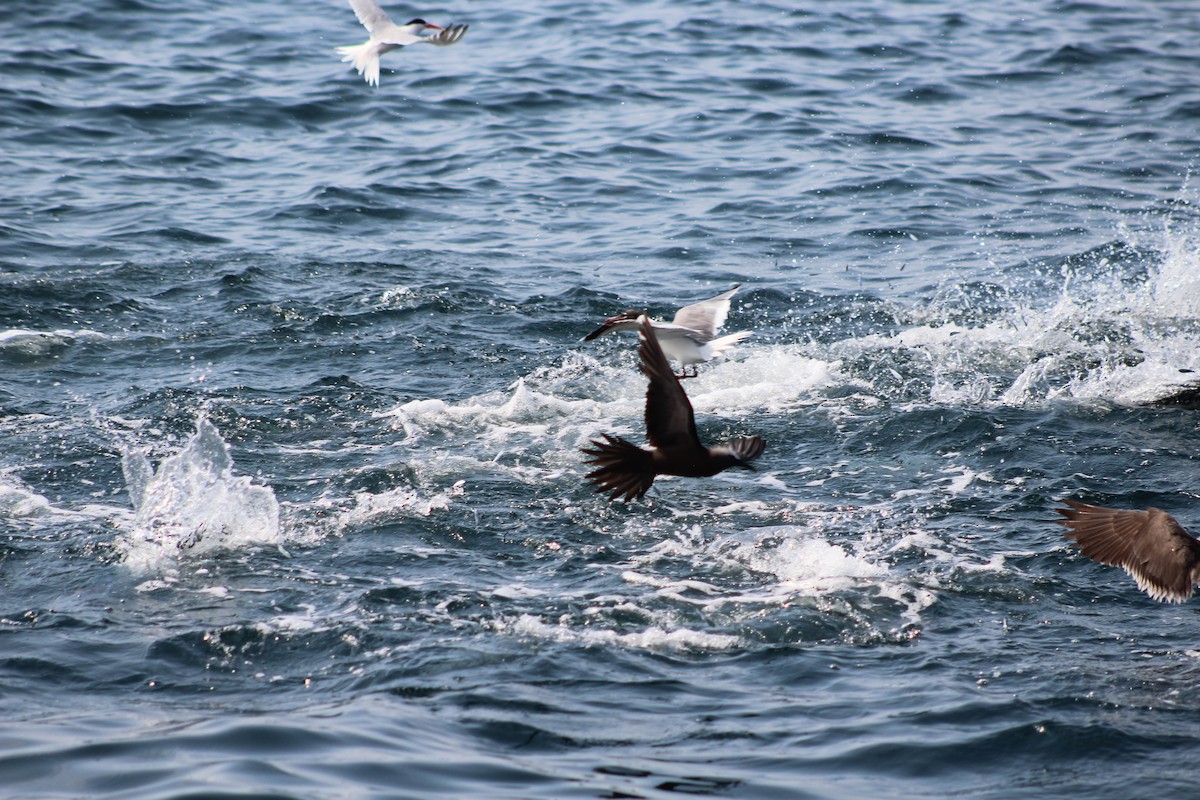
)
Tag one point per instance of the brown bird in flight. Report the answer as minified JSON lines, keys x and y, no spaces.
{"x":1150,"y":545}
{"x":627,"y":471}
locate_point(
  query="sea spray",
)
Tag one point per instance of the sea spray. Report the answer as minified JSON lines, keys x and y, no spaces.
{"x":193,"y":502}
{"x":1106,"y":336}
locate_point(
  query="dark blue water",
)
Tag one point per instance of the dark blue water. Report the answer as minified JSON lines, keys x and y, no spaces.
{"x":292,"y":391}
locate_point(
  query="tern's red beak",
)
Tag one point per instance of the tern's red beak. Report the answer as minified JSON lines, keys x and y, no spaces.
{"x":435,"y":27}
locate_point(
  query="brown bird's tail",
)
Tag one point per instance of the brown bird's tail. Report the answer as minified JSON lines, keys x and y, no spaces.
{"x":623,"y":469}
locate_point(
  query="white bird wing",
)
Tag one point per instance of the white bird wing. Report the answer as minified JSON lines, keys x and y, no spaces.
{"x":398,"y":35}
{"x":666,"y":331}
{"x":706,"y":316}
{"x":447,"y":37}
{"x":370,"y":14}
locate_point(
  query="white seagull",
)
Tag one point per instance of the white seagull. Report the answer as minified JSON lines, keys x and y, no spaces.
{"x":691,"y":338}
{"x":387,"y":35}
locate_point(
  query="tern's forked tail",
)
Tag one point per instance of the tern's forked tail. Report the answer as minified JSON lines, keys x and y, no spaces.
{"x":365,"y":58}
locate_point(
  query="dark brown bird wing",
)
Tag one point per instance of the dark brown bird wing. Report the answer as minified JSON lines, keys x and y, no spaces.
{"x":1150,"y":545}
{"x":670,"y":423}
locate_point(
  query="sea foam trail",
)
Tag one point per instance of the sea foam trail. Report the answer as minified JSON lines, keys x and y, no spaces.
{"x":1105,"y":337}
{"x":566,"y":404}
{"x":19,"y":502}
{"x":193,"y":502}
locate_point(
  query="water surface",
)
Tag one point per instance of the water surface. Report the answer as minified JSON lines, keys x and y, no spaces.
{"x":294,"y":390}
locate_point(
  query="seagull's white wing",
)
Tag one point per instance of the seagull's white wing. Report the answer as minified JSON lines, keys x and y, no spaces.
{"x":370,"y":14}
{"x":666,"y":331}
{"x":707,"y":316}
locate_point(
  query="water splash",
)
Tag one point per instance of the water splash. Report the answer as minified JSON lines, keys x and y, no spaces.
{"x":194,"y":503}
{"x":1116,"y":331}
{"x":1176,"y":285}
{"x":805,"y":565}
{"x":566,"y":405}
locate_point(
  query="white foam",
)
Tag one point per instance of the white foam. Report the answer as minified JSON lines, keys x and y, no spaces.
{"x":1135,"y":384}
{"x":31,"y":344}
{"x":532,"y":430}
{"x":961,"y":477}
{"x":17,"y":501}
{"x":513,"y":591}
{"x":1102,"y":337}
{"x":402,"y":501}
{"x":772,"y":379}
{"x":19,"y":336}
{"x":520,"y":411}
{"x":194,"y":503}
{"x":808,"y":564}
{"x":291,"y":623}
{"x":735,"y":578}
{"x":737,"y":574}
{"x":670,"y":586}
{"x":652,"y":638}
{"x":156,"y":585}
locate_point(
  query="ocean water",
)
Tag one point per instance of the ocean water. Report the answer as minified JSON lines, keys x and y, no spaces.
{"x":292,"y":391}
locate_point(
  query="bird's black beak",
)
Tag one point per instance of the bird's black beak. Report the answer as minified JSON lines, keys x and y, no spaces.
{"x":599,"y":331}
{"x":613,"y":321}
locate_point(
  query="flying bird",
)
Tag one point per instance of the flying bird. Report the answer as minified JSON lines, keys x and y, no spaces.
{"x":626,"y":471}
{"x":1150,"y":545}
{"x":691,"y":338}
{"x":387,"y":35}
